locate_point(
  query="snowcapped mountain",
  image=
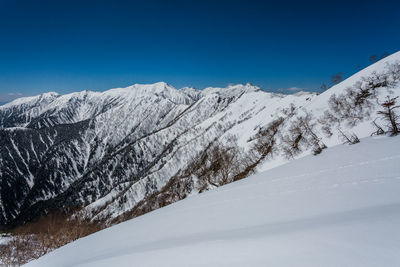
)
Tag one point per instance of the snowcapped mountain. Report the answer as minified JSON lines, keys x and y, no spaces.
{"x":91,"y":147}
{"x":338,"y":209}
{"x":126,"y":151}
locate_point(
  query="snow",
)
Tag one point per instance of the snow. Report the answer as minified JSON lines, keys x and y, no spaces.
{"x":340,"y":208}
{"x":5,"y":239}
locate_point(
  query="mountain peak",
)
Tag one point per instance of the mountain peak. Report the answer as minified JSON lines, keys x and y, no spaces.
{"x":232,"y":90}
{"x":31,"y":99}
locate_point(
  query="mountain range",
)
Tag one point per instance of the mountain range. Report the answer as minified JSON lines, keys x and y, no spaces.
{"x":120,"y":153}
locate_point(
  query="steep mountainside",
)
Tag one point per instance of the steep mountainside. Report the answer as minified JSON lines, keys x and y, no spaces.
{"x":341,"y":208}
{"x":127,"y":151}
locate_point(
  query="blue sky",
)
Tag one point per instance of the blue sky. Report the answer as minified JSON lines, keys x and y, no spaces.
{"x":67,"y":46}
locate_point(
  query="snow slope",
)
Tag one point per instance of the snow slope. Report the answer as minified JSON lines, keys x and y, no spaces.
{"x":341,"y":208}
{"x":109,"y":151}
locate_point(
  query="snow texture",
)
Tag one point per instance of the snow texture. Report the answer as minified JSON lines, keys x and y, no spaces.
{"x":341,"y":208}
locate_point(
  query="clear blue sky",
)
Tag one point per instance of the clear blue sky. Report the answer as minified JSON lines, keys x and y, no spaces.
{"x":67,"y":46}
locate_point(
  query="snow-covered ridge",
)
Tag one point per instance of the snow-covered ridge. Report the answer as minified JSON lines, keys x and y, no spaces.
{"x":50,"y":104}
{"x":341,"y":208}
{"x":109,"y":151}
{"x":135,"y":90}
{"x":232,"y":90}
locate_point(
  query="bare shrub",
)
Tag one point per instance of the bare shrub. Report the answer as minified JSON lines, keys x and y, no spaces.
{"x":378,"y":129}
{"x":35,"y":239}
{"x":352,"y":107}
{"x":348,"y":138}
{"x":289,"y":111}
{"x":18,"y":250}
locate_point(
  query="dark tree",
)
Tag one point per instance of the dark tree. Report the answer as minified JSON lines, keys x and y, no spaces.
{"x":323,"y":87}
{"x":373,"y":58}
{"x":384,"y":55}
{"x":301,"y":134}
{"x":337,"y":78}
{"x":388,"y":113}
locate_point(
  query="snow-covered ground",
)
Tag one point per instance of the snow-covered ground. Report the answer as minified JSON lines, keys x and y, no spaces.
{"x":341,"y":208}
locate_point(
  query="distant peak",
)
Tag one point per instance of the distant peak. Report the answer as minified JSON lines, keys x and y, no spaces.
{"x":50,"y":94}
{"x":28,"y":99}
{"x":248,"y":86}
{"x":153,"y":85}
{"x":232,"y":90}
{"x":162,"y":84}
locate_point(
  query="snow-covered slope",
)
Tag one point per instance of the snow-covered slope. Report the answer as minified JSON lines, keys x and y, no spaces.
{"x":341,"y":208}
{"x":110,"y":152}
{"x":122,"y":144}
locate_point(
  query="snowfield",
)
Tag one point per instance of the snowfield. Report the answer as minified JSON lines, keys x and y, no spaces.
{"x":340,"y":208}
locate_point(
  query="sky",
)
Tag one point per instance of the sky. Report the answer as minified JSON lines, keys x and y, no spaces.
{"x":284,"y":46}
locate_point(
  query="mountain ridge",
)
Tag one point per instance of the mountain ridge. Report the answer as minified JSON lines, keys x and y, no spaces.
{"x":108,"y":152}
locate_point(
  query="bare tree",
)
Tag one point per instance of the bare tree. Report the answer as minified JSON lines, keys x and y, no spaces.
{"x":385,"y":54}
{"x":302,"y":134}
{"x":218,"y":164}
{"x":388,"y":113}
{"x":264,"y":146}
{"x":373,"y":58}
{"x":337,"y":78}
